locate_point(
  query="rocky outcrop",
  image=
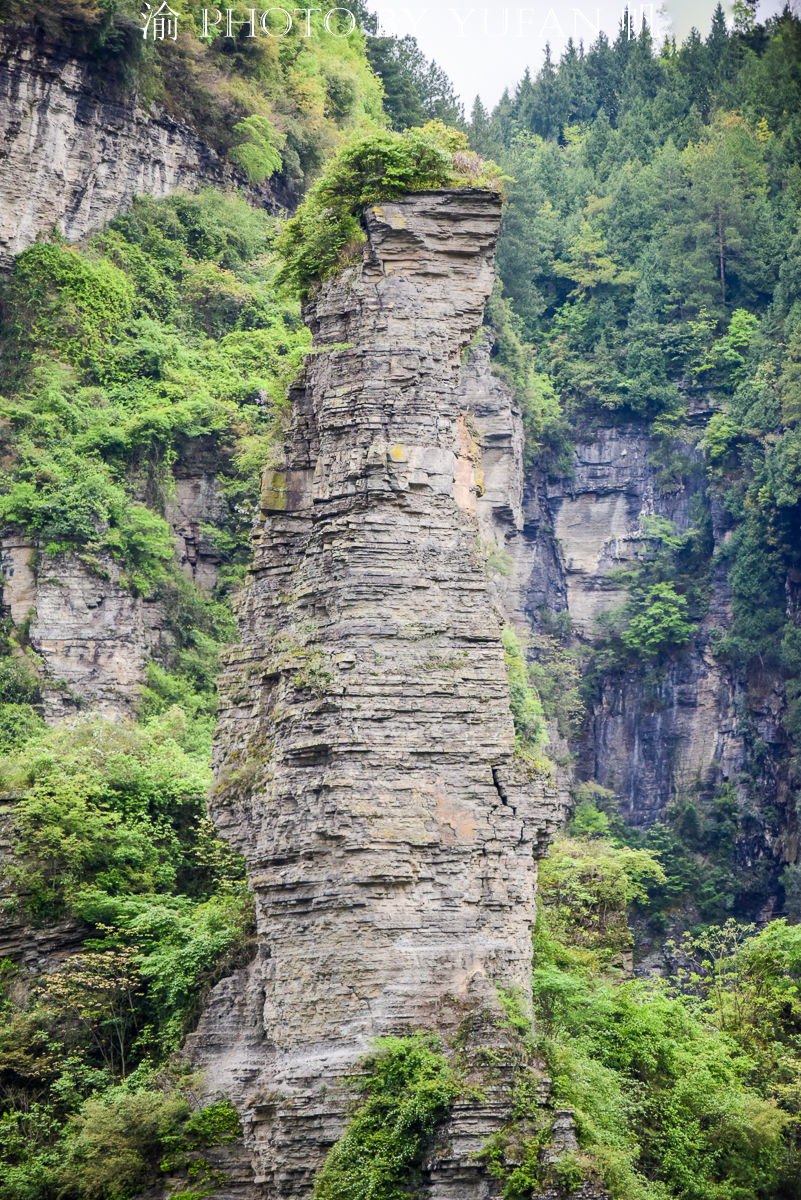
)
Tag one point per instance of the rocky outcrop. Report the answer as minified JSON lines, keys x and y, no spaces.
{"x":646,"y":744}
{"x":690,"y":726}
{"x":91,"y":635}
{"x":364,"y":758}
{"x":72,"y":157}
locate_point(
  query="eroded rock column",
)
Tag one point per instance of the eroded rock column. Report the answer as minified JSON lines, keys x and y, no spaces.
{"x":365,"y":752}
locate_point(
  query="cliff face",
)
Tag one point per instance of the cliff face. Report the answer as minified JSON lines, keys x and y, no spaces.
{"x":71,"y":157}
{"x":644,"y":746}
{"x":364,"y":757}
{"x":694,"y":727}
{"x":92,"y":636}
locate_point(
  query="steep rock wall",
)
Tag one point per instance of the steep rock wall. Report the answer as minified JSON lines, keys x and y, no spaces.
{"x":643,"y":745}
{"x":695,"y":727}
{"x":72,"y":157}
{"x":364,"y":756}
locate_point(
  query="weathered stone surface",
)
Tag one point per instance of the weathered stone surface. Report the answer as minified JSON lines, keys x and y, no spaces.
{"x":644,"y":747}
{"x":598,"y":514}
{"x":691,"y":728}
{"x":194,"y":507}
{"x":498,"y":424}
{"x":92,"y":635}
{"x":364,"y":757}
{"x":72,"y":157}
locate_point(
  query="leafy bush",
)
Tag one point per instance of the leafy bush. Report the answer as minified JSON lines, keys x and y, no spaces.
{"x":667,"y":1104}
{"x":101,"y":802}
{"x":588,"y":887}
{"x":659,"y":621}
{"x":163,"y":334}
{"x":63,"y":303}
{"x":408,"y":1089}
{"x":258,"y":152}
{"x":111,"y":827}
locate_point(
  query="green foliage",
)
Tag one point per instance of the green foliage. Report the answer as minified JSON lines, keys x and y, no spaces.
{"x":668,"y":585}
{"x":660,"y":622}
{"x":554,"y":672}
{"x":165,"y":332}
{"x":294,"y":95}
{"x":110,"y":826}
{"x":667,"y":1103}
{"x":116,"y":1143}
{"x":527,"y":714}
{"x":258,"y":152}
{"x":408,"y":1088}
{"x":120,"y":1142}
{"x":371,"y":167}
{"x":588,"y":886}
{"x":63,"y":303}
{"x":19,"y":694}
{"x":650,"y":255}
{"x":102,"y":803}
{"x":415,"y":90}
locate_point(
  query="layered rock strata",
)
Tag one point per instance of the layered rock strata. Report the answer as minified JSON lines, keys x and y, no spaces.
{"x":92,"y":636}
{"x":646,"y":745}
{"x":364,"y":757}
{"x":72,"y":157}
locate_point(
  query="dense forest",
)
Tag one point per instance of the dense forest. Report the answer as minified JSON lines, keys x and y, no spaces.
{"x":650,"y":273}
{"x":650,"y":266}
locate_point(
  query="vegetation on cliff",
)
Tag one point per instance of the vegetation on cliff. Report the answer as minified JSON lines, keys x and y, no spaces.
{"x":164,"y":332}
{"x":650,"y":267}
{"x":276,"y":106}
{"x":650,"y":261}
{"x":407,"y":1087}
{"x":650,"y":251}
{"x":682,"y":1086}
{"x":326,"y":231}
{"x":162,"y":337}
{"x":112,"y":834}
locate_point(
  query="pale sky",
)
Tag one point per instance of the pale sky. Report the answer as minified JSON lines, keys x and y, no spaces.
{"x":486,"y":47}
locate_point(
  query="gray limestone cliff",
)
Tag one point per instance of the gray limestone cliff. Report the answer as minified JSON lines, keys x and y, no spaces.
{"x":364,"y":757}
{"x":691,"y":728}
{"x":72,"y":156}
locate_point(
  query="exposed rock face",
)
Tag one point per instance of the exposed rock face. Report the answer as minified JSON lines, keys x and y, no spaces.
{"x":71,"y":158}
{"x":643,"y":745}
{"x":92,"y":635}
{"x":365,"y":752}
{"x":691,"y":729}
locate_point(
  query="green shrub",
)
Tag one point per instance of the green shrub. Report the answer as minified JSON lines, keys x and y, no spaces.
{"x":19,"y":724}
{"x":162,"y":335}
{"x":668,"y":1105}
{"x":527,"y":714}
{"x":62,"y":302}
{"x":658,"y":622}
{"x":104,"y":803}
{"x":258,"y":151}
{"x":408,"y":1088}
{"x":378,"y":166}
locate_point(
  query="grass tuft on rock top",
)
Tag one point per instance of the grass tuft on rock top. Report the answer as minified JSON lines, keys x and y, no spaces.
{"x":381,"y":165}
